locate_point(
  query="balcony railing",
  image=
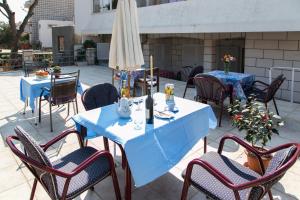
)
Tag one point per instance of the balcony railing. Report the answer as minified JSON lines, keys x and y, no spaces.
{"x":106,"y":5}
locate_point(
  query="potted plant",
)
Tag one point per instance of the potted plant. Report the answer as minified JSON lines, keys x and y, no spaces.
{"x":56,"y":70}
{"x":259,"y":125}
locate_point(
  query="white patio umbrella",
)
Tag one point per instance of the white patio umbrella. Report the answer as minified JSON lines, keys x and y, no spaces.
{"x":125,"y":48}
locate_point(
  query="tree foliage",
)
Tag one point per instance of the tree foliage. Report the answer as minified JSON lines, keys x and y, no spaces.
{"x":5,"y":35}
{"x":6,"y":11}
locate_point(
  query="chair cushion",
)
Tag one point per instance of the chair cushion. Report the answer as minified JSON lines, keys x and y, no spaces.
{"x":90,"y":176}
{"x":211,"y":186}
{"x":280,"y":158}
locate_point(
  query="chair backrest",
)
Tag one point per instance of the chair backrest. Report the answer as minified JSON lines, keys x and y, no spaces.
{"x":209,"y":88}
{"x":155,"y":73}
{"x":64,"y":87}
{"x":274,"y":86}
{"x":194,"y":72}
{"x":283,"y":159}
{"x":33,"y":151}
{"x":99,"y":95}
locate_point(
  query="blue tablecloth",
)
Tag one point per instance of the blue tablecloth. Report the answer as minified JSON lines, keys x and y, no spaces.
{"x":31,"y":88}
{"x":239,"y":81}
{"x":155,"y":149}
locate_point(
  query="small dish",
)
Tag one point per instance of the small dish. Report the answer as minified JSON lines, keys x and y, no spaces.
{"x":164,"y":114}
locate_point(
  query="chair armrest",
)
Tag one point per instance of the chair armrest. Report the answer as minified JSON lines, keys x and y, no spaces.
{"x":87,"y":162}
{"x":210,"y":169}
{"x":262,"y":83}
{"x":257,"y":153}
{"x":59,"y":137}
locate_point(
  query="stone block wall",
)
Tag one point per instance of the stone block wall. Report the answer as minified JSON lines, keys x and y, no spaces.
{"x":262,"y":52}
{"x":272,"y":50}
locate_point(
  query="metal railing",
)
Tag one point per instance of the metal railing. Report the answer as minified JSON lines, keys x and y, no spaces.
{"x":10,"y":61}
{"x":63,"y":58}
{"x":293,"y":70}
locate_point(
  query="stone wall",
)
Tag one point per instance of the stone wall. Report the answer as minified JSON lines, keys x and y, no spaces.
{"x":272,"y":50}
{"x":172,"y":52}
{"x":262,"y":52}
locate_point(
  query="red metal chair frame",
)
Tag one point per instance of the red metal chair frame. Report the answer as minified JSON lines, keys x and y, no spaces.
{"x":30,"y":162}
{"x":208,"y":97}
{"x":223,"y":179}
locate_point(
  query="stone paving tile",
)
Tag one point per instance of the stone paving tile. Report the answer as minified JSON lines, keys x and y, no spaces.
{"x":19,"y":179}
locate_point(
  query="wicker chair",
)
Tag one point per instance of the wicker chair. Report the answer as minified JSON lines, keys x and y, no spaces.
{"x":69,"y":176}
{"x":265,"y":92}
{"x":98,"y":96}
{"x":146,"y":81}
{"x":190,"y":81}
{"x":219,"y":177}
{"x":210,"y":88}
{"x":63,"y":90}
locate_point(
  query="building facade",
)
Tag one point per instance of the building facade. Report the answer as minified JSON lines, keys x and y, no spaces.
{"x":263,"y":35}
{"x":55,"y":10}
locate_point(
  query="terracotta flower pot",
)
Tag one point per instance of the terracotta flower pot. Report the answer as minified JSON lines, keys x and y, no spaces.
{"x":253,"y":162}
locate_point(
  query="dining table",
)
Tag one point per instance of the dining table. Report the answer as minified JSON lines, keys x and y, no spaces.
{"x":150,"y":150}
{"x":31,"y":88}
{"x":239,"y":82}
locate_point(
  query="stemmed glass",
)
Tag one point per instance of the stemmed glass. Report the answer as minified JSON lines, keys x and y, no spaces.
{"x":138,"y":118}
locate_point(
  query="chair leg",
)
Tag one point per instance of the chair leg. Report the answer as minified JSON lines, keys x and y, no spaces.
{"x":205,"y":144}
{"x":275,"y":106}
{"x":266,"y":105}
{"x":221,"y":114}
{"x":270,"y":195}
{"x":115,"y":183}
{"x":185,"y":188}
{"x":33,"y":189}
{"x":184,"y":91}
{"x":76,"y":104}
{"x":40,"y":109}
{"x":50,"y":109}
{"x":106,"y":145}
{"x":68,"y":108}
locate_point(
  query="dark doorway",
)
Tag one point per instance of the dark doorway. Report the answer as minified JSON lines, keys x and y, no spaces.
{"x":234,"y":47}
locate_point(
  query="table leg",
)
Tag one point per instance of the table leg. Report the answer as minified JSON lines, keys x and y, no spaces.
{"x":115,"y":151}
{"x":231,"y":93}
{"x":25,"y":105}
{"x":205,"y":144}
{"x":35,"y":113}
{"x":83,"y":133}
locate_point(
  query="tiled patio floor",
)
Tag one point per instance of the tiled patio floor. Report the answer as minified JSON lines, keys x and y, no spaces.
{"x":16,"y":180}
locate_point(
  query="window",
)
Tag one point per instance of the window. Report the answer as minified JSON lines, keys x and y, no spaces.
{"x":104,"y":5}
{"x":96,"y":6}
{"x":61,"y":43}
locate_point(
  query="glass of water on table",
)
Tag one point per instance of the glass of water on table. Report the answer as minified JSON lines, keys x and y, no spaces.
{"x":138,"y":113}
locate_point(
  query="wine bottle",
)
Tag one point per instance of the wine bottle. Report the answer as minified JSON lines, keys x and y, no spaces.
{"x":149,"y":107}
